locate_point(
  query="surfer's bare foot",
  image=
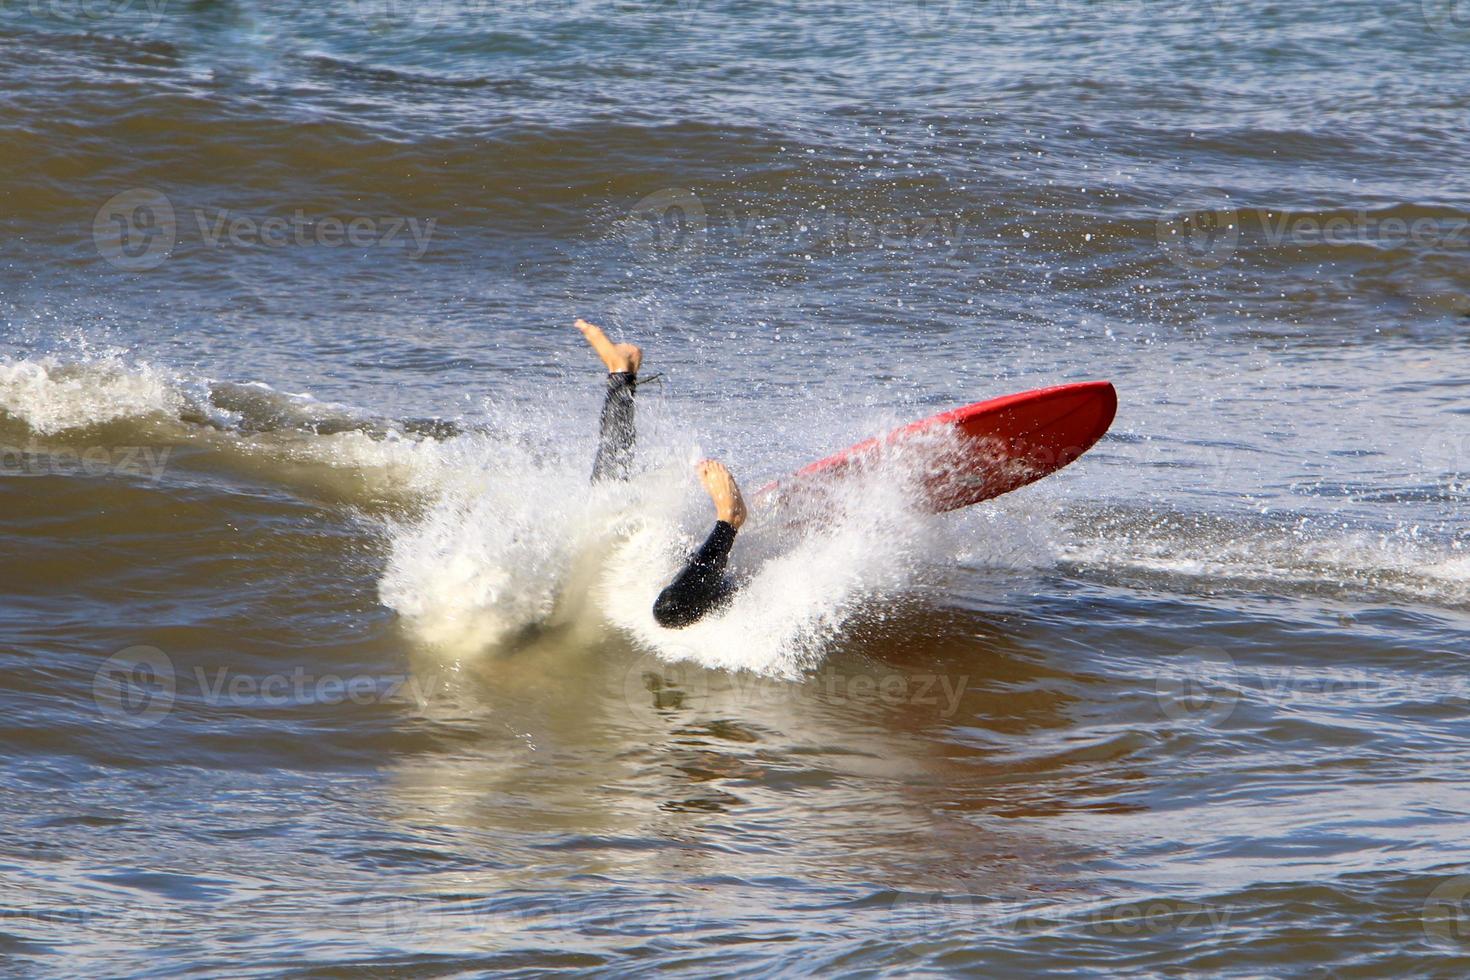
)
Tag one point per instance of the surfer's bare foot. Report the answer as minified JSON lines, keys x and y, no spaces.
{"x":720,"y":485}
{"x":617,"y":357}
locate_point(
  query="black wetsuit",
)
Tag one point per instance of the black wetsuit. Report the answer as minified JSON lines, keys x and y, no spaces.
{"x":701,"y":586}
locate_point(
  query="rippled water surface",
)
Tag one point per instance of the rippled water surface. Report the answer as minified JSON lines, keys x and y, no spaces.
{"x":323,"y":659}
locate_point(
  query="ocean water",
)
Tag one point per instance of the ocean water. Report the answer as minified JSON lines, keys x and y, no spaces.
{"x":323,"y":659}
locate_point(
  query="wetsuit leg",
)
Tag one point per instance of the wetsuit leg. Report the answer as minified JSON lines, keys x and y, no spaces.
{"x":615,"y":442}
{"x":701,"y":586}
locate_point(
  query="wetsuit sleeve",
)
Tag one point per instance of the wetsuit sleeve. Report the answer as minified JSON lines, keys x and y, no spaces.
{"x":616,"y":433}
{"x":701,"y":586}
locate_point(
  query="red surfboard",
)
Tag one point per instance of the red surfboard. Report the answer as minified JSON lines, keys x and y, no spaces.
{"x":980,"y":451}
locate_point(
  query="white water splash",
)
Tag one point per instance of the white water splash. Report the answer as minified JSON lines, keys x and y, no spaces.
{"x":52,"y":396}
{"x":1284,"y":555}
{"x":529,"y":545}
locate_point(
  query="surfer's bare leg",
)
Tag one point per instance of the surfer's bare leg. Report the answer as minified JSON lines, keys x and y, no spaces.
{"x":701,"y":586}
{"x":723,"y":491}
{"x":617,"y":431}
{"x":619,"y":358}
